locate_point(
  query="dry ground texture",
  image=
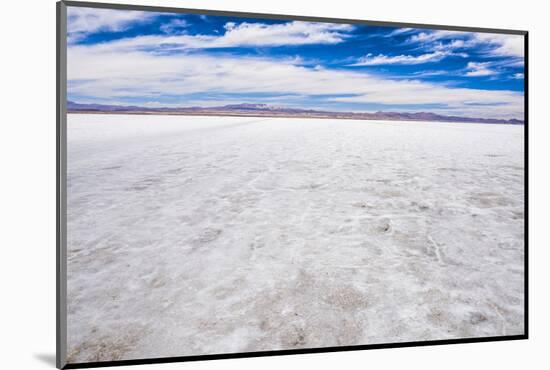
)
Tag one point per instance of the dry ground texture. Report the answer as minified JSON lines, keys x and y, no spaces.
{"x":202,"y":235}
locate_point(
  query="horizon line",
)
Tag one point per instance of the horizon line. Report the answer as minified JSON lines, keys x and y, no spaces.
{"x":266,"y":108}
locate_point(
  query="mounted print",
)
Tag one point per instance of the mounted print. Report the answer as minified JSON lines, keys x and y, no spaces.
{"x":234,"y":184}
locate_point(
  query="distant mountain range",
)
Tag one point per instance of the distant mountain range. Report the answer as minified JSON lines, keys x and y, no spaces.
{"x":265,"y":110}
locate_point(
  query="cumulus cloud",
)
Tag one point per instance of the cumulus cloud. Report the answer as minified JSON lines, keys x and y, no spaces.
{"x":144,"y":67}
{"x":238,"y":35}
{"x":82,"y":21}
{"x":436,"y":43}
{"x":111,"y":74}
{"x":503,"y":45}
{"x":174,"y":26}
{"x":290,"y":33}
{"x":400,"y":31}
{"x":477,"y":69}
{"x":370,"y":59}
{"x":492,"y":44}
{"x":518,"y":76}
{"x":430,"y":36}
{"x":235,"y":35}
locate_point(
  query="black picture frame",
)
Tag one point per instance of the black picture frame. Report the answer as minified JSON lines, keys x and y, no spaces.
{"x":61,"y":186}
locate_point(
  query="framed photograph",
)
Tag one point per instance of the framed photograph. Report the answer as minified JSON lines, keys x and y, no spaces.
{"x":235,"y":184}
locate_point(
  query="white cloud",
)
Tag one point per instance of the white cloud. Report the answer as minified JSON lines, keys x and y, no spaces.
{"x":518,"y":76}
{"x":475,"y":69}
{"x":238,"y":35}
{"x":496,"y":44}
{"x":449,"y":46}
{"x":101,"y":71}
{"x":400,"y":31}
{"x":431,"y":36}
{"x":174,"y":26}
{"x":504,"y":45}
{"x":291,"y":33}
{"x":430,"y":73}
{"x":438,"y":50}
{"x":379,"y":59}
{"x":82,"y":21}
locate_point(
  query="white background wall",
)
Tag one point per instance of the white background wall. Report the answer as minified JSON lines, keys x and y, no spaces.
{"x":27,"y":186}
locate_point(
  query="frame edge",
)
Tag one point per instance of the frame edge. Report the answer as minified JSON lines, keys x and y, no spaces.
{"x":526,"y":181}
{"x":61,"y":167}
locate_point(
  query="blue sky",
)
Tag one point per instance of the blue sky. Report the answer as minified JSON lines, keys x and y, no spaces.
{"x":166,"y":59}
